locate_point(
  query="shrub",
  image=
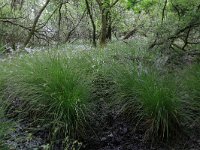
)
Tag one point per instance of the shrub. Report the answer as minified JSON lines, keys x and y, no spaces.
{"x":149,"y":98}
{"x":53,"y":92}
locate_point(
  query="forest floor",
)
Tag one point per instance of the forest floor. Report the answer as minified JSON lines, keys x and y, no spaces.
{"x":115,"y":133}
{"x":110,"y":132}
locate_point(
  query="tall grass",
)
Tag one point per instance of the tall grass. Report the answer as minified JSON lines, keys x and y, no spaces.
{"x":6,"y":126}
{"x":191,"y":93}
{"x":53,"y":92}
{"x":149,"y":98}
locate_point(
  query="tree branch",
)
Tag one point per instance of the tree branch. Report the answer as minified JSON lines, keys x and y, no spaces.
{"x":72,"y":30}
{"x":163,"y":11}
{"x":43,"y":24}
{"x":16,"y":24}
{"x":99,"y":3}
{"x":35,"y":23}
{"x":114,"y":3}
{"x":186,"y":38}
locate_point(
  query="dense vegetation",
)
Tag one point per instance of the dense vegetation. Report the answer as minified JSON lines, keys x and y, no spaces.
{"x":99,"y":74}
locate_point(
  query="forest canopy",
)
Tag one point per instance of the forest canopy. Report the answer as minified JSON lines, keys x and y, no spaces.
{"x":60,"y":21}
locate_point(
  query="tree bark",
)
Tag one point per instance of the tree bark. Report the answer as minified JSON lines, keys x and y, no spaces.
{"x":31,"y":33}
{"x":106,"y":26}
{"x":59,"y":21}
{"x":103,"y":27}
{"x":93,"y":24}
{"x":109,"y":30}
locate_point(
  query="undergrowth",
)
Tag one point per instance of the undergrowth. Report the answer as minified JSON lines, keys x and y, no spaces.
{"x":191,"y":93}
{"x":149,"y":99}
{"x":57,"y":91}
{"x":52,"y":92}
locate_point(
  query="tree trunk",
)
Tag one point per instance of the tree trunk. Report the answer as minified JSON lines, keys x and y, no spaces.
{"x":59,"y":22}
{"x":32,"y":31}
{"x":106,"y":24}
{"x":93,"y":24}
{"x":103,"y":27}
{"x":109,"y":28}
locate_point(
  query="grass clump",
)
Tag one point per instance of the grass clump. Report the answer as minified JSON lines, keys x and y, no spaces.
{"x":191,"y":92}
{"x":150,"y":100}
{"x":56,"y":92}
{"x":53,"y":93}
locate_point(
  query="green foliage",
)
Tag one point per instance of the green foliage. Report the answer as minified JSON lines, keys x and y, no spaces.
{"x":141,"y":5}
{"x":53,"y":92}
{"x":150,"y":98}
{"x":56,"y":89}
{"x":6,"y":126}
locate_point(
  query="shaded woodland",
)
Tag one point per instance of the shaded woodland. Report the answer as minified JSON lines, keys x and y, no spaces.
{"x":99,"y":74}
